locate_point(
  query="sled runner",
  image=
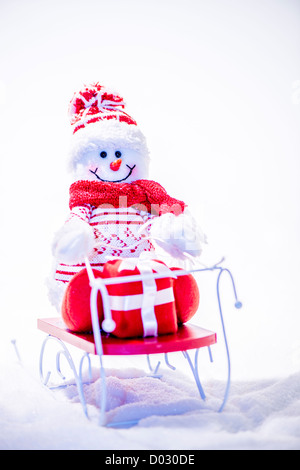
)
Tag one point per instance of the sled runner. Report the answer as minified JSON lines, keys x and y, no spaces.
{"x":101,"y":343}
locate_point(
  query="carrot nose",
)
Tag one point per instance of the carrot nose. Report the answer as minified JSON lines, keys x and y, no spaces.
{"x":115,"y":165}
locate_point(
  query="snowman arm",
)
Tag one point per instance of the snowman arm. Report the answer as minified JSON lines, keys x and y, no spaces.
{"x":178,"y":233}
{"x":75,"y":240}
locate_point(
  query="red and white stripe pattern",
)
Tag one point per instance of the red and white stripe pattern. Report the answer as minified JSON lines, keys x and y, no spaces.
{"x":95,"y":103}
{"x":141,"y":304}
{"x":116,"y":232}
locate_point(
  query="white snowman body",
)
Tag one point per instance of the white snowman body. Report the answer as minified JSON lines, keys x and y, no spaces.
{"x":109,"y":150}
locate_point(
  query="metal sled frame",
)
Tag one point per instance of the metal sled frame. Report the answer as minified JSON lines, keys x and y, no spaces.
{"x":188,"y":338}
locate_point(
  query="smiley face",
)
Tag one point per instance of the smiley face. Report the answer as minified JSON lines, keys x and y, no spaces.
{"x":116,"y":163}
{"x":112,"y":165}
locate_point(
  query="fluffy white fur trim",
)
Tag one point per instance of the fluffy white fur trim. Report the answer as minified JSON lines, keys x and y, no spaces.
{"x":107,"y":133}
{"x":73,"y":242}
{"x":56,"y":292}
{"x":178,"y":234}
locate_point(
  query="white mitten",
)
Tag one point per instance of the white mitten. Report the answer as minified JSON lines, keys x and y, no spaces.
{"x":178,"y":234}
{"x":73,"y":242}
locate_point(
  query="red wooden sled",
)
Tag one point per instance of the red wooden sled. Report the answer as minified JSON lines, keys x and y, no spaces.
{"x":188,"y":337}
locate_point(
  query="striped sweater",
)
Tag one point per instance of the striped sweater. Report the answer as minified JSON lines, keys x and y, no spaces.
{"x":116,"y":235}
{"x":117,"y":213}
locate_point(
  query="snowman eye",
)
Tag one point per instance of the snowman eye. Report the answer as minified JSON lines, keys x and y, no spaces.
{"x":118,"y":154}
{"x":103,"y":154}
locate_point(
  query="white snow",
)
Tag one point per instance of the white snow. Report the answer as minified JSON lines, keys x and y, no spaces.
{"x":261,"y":414}
{"x":214,"y":86}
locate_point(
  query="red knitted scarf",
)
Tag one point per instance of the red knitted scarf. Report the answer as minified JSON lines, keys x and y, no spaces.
{"x":146,"y":194}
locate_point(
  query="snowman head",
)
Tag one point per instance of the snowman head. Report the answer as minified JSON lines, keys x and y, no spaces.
{"x":107,"y":145}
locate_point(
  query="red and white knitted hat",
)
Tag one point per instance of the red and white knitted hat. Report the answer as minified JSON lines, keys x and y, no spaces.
{"x":98,"y":117}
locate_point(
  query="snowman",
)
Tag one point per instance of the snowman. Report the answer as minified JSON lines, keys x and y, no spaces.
{"x":118,"y":220}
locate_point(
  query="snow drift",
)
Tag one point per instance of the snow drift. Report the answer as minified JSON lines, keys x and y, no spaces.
{"x":258,"y":415}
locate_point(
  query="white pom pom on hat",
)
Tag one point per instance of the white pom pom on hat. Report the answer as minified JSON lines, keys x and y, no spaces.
{"x":98,"y":118}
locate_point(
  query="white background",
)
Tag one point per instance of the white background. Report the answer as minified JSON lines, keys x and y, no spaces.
{"x":215,"y":87}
